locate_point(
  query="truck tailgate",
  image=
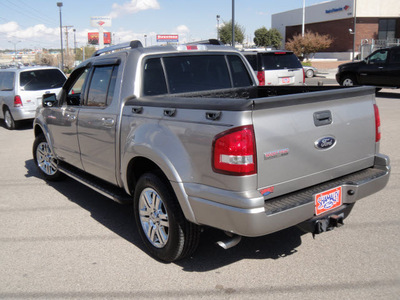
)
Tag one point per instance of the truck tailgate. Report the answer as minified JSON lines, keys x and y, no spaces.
{"x":306,"y":139}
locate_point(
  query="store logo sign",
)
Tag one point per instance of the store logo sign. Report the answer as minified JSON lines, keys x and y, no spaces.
{"x":339,"y":9}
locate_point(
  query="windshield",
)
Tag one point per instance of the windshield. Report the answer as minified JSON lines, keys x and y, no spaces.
{"x":35,"y":80}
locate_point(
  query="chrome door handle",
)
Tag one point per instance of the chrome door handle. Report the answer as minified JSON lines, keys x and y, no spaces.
{"x":107,"y":122}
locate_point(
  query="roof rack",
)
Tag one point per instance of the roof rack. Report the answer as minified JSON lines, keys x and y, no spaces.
{"x":208,"y":42}
{"x":132,"y":44}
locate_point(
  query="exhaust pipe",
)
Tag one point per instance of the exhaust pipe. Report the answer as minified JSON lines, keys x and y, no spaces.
{"x":230,"y":242}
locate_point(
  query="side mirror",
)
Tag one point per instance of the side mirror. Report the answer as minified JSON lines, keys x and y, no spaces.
{"x":49,"y":100}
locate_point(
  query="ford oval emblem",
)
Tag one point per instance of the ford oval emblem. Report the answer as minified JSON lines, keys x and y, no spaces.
{"x":325,"y":143}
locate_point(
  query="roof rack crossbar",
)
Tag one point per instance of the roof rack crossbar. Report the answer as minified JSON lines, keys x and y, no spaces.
{"x":132,"y":44}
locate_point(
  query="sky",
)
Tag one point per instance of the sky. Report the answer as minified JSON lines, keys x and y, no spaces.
{"x":36,"y":24}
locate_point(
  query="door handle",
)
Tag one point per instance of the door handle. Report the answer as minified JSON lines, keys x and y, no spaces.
{"x":108,"y":122}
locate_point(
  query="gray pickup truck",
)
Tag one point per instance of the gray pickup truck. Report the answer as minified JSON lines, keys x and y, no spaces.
{"x":186,"y":134}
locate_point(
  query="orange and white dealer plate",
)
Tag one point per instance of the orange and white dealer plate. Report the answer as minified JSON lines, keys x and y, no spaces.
{"x":328,"y":200}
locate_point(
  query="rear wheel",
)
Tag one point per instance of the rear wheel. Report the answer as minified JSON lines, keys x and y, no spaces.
{"x":9,"y":120}
{"x":162,"y":226}
{"x":44,"y":159}
{"x":348,"y":80}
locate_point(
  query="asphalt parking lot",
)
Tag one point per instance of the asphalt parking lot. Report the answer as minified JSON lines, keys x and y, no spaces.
{"x":64,"y":241}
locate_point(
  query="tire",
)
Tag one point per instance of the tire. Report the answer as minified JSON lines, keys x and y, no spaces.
{"x":348,"y":80}
{"x":45,"y":160}
{"x":9,"y":120}
{"x":160,"y":221}
{"x":310,"y":73}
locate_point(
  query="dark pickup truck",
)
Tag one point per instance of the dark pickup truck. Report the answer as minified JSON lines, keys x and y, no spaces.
{"x":381,"y":68}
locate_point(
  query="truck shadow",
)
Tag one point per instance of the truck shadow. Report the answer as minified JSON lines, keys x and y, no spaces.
{"x":208,"y":256}
{"x":388,"y":95}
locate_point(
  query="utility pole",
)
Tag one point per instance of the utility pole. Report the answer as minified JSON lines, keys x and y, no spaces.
{"x":66,"y":35}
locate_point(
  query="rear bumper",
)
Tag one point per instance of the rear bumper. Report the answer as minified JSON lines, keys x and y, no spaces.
{"x":282,"y":212}
{"x":23,"y":113}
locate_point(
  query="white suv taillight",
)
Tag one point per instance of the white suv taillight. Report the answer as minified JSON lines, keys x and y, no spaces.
{"x":17,"y":101}
{"x":261,"y":77}
{"x":234,"y":152}
{"x":377,"y":124}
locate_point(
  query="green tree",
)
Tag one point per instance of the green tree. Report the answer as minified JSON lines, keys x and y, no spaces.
{"x":89,"y":50}
{"x":264,"y":37}
{"x":309,"y":44}
{"x":225,"y":33}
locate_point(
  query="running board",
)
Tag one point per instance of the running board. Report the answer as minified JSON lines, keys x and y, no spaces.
{"x":106,"y":189}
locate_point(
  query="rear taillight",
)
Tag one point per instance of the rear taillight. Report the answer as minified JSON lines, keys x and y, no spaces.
{"x":304,"y":77}
{"x":377,"y":124}
{"x":17,"y":101}
{"x":234,"y":152}
{"x":261,"y":77}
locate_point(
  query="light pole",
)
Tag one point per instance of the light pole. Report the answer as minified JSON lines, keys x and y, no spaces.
{"x":60,"y":4}
{"x":354,"y":30}
{"x":304,"y":17}
{"x":233,"y":23}
{"x":145,"y":40}
{"x":15,"y":48}
{"x":74,"y":40}
{"x":218,"y":16}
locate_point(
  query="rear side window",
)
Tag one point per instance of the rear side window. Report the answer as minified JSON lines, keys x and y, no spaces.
{"x":36,"y":80}
{"x":279,"y":60}
{"x":7,"y":81}
{"x":192,"y":73}
{"x":252,"y":58}
{"x":240,"y":76}
{"x":395,"y":56}
{"x":153,"y":78}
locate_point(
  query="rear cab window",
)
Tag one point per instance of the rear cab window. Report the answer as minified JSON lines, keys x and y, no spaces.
{"x":192,"y":73}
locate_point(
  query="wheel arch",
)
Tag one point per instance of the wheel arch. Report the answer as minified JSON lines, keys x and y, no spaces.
{"x":140,"y":165}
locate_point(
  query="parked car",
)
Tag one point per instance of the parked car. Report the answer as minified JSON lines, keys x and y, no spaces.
{"x":276,"y":67}
{"x":381,"y":68}
{"x":310,"y":71}
{"x":185,"y":133}
{"x":21,"y":91}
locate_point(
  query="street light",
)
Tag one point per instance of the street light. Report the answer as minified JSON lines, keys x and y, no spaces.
{"x":15,"y":48}
{"x":74,"y":40}
{"x":354,"y":30}
{"x":60,"y":4}
{"x":218,"y":16}
{"x":145,"y":40}
{"x":233,"y":23}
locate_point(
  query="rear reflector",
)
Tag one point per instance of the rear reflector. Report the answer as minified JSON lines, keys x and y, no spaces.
{"x":234,"y":152}
{"x":377,"y":124}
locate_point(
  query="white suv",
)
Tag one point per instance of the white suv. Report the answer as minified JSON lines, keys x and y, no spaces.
{"x":277,"y":67}
{"x":21,"y":91}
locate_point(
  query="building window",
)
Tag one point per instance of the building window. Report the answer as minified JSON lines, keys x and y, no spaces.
{"x":387,"y":29}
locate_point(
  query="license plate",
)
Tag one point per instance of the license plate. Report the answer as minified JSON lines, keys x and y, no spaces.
{"x":328,"y":200}
{"x":285,"y":80}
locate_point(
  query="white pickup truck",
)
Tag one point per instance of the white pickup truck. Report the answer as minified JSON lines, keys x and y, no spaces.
{"x":185,"y":133}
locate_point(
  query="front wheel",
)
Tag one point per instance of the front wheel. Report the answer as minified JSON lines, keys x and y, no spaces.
{"x":309,"y":73}
{"x":348,"y":80}
{"x":44,"y":159}
{"x":162,"y":226}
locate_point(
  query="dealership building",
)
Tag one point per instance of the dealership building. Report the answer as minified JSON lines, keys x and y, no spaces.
{"x":358,"y":26}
